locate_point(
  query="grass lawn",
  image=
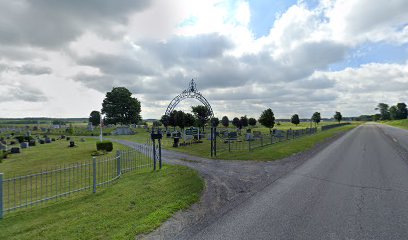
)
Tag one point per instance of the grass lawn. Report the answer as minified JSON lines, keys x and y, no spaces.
{"x":47,"y":156}
{"x":403,"y":123}
{"x":286,"y":149}
{"x":137,"y":203}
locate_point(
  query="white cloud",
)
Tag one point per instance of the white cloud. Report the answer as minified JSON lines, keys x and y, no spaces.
{"x":155,"y":47}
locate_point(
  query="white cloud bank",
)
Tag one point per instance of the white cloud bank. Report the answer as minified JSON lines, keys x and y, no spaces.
{"x":58,"y":58}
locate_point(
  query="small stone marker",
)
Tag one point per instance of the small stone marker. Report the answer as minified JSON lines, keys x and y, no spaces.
{"x":15,"y":150}
{"x":24,"y":145}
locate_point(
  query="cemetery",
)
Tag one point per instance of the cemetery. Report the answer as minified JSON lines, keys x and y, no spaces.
{"x":89,"y":164}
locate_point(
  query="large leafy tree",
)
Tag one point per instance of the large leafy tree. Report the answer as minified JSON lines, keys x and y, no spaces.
{"x":165,"y":121}
{"x":295,"y":119}
{"x":402,"y":111}
{"x":267,"y":119}
{"x":95,"y":118}
{"x":244,"y":121}
{"x":225,"y":121}
{"x":179,"y":119}
{"x":189,"y":120}
{"x":252,"y":122}
{"x":202,"y":114}
{"x":236,"y":122}
{"x":393,"y":112}
{"x":384,"y":111}
{"x":215,"y":122}
{"x":338,"y":116}
{"x":316,"y":118}
{"x":172,"y":119}
{"x":120,"y":107}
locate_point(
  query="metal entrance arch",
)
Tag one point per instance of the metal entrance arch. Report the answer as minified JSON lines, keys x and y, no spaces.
{"x":190,"y":92}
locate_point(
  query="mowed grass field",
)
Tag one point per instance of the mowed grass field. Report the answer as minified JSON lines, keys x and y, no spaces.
{"x":403,"y":123}
{"x":47,"y":156}
{"x":267,"y":153}
{"x":136,"y":203}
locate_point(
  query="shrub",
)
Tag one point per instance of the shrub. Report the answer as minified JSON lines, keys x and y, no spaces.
{"x":23,"y":138}
{"x":104,"y":145}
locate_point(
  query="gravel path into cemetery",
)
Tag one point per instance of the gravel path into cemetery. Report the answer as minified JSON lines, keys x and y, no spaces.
{"x":228,"y":184}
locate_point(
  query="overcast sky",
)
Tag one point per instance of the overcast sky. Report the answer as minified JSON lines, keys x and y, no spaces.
{"x":59,"y":58}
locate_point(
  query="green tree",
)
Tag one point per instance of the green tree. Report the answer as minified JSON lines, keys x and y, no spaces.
{"x":120,"y":107}
{"x":202,"y":114}
{"x":244,"y":121}
{"x":376,"y":117}
{"x":236,"y":122}
{"x":189,"y":120}
{"x":179,"y":119}
{"x":252,"y":122}
{"x":172,"y":119}
{"x":393,"y":110}
{"x":316,"y":118}
{"x":215,"y":122}
{"x":95,"y":118}
{"x":384,"y":111}
{"x":338,"y":116}
{"x":165,"y":121}
{"x":157,"y":124}
{"x":225,"y":121}
{"x":267,"y":119}
{"x":295,"y":119}
{"x":402,"y":111}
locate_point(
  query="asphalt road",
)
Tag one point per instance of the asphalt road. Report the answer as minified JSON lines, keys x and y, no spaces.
{"x":356,"y":188}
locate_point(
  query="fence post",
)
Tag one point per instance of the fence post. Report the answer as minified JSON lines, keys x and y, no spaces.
{"x":160,"y":159}
{"x":94,"y":173}
{"x":1,"y":195}
{"x":118,"y":159}
{"x":154,"y":155}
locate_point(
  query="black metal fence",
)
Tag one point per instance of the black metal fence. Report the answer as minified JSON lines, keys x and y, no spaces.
{"x":251,"y":142}
{"x":50,"y":184}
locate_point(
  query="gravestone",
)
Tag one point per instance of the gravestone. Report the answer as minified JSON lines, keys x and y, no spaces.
{"x":47,"y":140}
{"x":248,"y":137}
{"x":15,"y":150}
{"x":90,"y":127}
{"x":123,"y":131}
{"x":71,"y":144}
{"x":257,"y":134}
{"x":24,"y":145}
{"x":31,"y":143}
{"x":42,"y":141}
{"x":232,"y":135}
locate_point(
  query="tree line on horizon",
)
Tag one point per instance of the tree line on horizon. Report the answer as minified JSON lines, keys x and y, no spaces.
{"x":395,"y":112}
{"x":120,"y":107}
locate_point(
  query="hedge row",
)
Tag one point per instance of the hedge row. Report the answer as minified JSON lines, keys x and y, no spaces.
{"x":327,"y":127}
{"x":104,"y":146}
